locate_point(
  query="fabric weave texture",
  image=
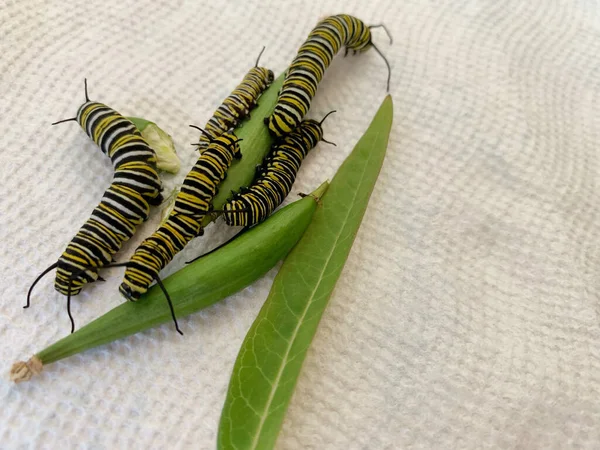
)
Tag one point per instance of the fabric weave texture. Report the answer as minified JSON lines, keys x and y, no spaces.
{"x":467,"y":314}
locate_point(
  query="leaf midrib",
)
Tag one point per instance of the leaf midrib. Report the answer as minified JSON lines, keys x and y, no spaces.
{"x":275,"y":384}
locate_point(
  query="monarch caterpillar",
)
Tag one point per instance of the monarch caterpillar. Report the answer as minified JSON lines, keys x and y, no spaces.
{"x":124,"y":206}
{"x":238,"y":105}
{"x":192,"y":203}
{"x":308,"y":68}
{"x":275,"y":178}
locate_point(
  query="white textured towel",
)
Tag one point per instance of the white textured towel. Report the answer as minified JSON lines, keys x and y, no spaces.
{"x":467,"y":314}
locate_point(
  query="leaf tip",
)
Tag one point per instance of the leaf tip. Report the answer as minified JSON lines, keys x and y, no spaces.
{"x":388,"y":100}
{"x":386,"y":109}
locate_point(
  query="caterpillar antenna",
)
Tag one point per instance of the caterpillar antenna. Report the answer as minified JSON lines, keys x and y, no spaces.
{"x":202,"y":131}
{"x":235,"y":236}
{"x":65,"y":120}
{"x":162,"y":286}
{"x":326,"y":116}
{"x":75,"y":275}
{"x":388,"y":66}
{"x":40,"y":276}
{"x":259,"y":55}
{"x":380,"y":25}
{"x":69,"y":307}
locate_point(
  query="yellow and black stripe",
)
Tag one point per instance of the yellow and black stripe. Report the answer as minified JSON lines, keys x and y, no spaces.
{"x":237,"y":106}
{"x":184,"y":223}
{"x":275,"y":177}
{"x":308,"y":68}
{"x":124,"y":206}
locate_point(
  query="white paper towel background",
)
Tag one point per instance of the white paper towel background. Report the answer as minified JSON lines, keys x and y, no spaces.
{"x":467,"y":314}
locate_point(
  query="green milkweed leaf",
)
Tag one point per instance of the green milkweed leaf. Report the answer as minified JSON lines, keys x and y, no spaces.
{"x":271,"y":356}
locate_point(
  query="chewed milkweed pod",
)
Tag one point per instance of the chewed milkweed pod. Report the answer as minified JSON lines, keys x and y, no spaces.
{"x":162,"y":144}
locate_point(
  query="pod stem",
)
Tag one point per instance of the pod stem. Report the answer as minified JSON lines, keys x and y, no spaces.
{"x":23,"y":371}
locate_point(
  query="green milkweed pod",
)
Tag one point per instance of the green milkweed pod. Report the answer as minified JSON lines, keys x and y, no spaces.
{"x":196,"y":286}
{"x":161,"y":143}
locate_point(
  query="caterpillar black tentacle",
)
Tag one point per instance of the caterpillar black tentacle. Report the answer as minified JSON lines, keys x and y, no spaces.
{"x":380,"y":25}
{"x":235,"y":236}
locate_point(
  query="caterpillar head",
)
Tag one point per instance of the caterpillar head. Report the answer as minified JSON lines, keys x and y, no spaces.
{"x":237,"y":152}
{"x":310,"y":130}
{"x":363,"y":42}
{"x":270,"y":76}
{"x":313,"y":129}
{"x":265,"y":76}
{"x":230,"y":141}
{"x":235,"y":148}
{"x":128,"y":292}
